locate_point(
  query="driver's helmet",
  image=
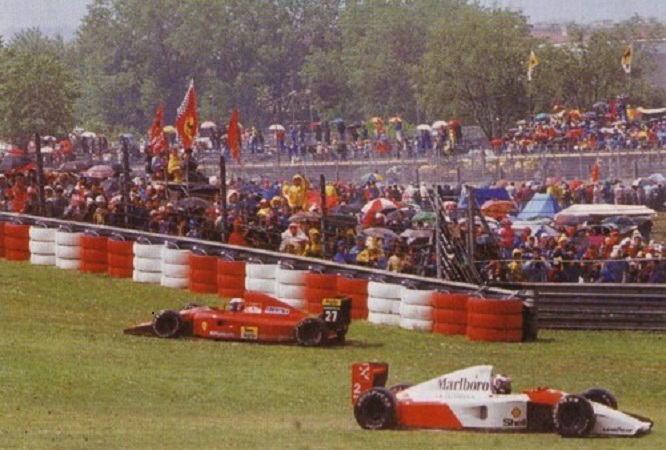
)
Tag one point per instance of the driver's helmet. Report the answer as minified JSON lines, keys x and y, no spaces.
{"x":501,"y":384}
{"x":236,"y":304}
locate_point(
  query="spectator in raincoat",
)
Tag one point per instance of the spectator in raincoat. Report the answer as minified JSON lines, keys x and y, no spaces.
{"x":173,"y":167}
{"x":296,"y":193}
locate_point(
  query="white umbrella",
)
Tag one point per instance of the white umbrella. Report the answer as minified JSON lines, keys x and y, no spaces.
{"x":440,"y":124}
{"x":47,"y":149}
{"x":208,"y":124}
{"x":88,"y":134}
{"x":423,"y":127}
{"x":276,"y":127}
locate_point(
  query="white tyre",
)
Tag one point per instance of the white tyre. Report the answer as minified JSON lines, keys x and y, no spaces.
{"x":287,"y":276}
{"x":42,"y":247}
{"x":294,"y":302}
{"x":176,"y":270}
{"x":384,"y":290}
{"x":415,"y":312}
{"x":415,"y":324}
{"x":416,"y":297}
{"x":153,"y":251}
{"x":384,"y":305}
{"x":263,"y":271}
{"x":42,"y":260}
{"x":146,"y":277}
{"x":69,"y":239}
{"x":68,"y":251}
{"x":148,"y":265}
{"x":290,"y":291}
{"x":175,"y":256}
{"x":68,"y":264}
{"x":260,"y":285}
{"x":42,"y":234}
{"x":174,"y":282}
{"x":383,"y":319}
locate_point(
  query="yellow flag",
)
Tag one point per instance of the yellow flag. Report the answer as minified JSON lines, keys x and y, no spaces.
{"x":627,"y":56}
{"x":534,"y":61}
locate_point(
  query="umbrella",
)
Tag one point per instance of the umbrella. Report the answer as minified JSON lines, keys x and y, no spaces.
{"x":657,"y":178}
{"x":46,"y":150}
{"x":641,"y":182}
{"x":100,"y":171}
{"x":383,"y":233}
{"x":599,"y":105}
{"x":12,"y":162}
{"x":169,"y":129}
{"x":454,"y":123}
{"x":497,"y":208}
{"x":412,"y":235}
{"x":48,"y":139}
{"x":373,"y":177}
{"x":305,"y":216}
{"x":423,"y":127}
{"x":339,"y":120}
{"x":379,"y":205}
{"x":424,"y":216}
{"x":193,"y":203}
{"x":208,"y":124}
{"x":542,"y":116}
{"x":276,"y":127}
{"x":440,"y":124}
{"x":88,"y":134}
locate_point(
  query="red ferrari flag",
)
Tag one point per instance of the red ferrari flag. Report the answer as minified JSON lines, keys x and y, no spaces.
{"x":233,"y":136}
{"x":187,"y":121}
{"x":157,"y":140}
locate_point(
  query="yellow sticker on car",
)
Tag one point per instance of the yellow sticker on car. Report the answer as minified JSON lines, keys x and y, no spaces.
{"x":251,"y":333}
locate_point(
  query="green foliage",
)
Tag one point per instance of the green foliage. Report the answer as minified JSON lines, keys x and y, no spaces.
{"x":70,"y":378}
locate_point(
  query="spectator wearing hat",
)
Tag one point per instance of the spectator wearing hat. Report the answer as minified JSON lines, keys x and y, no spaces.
{"x":296,"y":193}
{"x":101,"y":213}
{"x":292,"y":236}
{"x":515,"y":267}
{"x":314,"y":248}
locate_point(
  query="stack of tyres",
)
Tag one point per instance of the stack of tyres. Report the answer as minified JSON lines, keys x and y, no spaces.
{"x":260,"y":277}
{"x":17,"y":242}
{"x":42,"y":246}
{"x":2,"y":238}
{"x":494,"y":320}
{"x":290,"y":286}
{"x":120,"y":257}
{"x":230,"y":278}
{"x":319,"y":286}
{"x":147,"y":262}
{"x":68,"y":249}
{"x":415,"y":309}
{"x":449,"y":314}
{"x":384,"y":303}
{"x":357,"y":290}
{"x":175,"y":268}
{"x":203,"y":273}
{"x":94,"y":253}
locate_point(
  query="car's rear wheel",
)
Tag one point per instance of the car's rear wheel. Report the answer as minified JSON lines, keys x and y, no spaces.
{"x":600,"y":396}
{"x":310,"y":332}
{"x":573,"y":416}
{"x":167,"y":323}
{"x":376,"y":410}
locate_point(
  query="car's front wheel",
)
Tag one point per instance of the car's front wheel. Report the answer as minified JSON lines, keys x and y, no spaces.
{"x":376,"y":409}
{"x":573,"y":416}
{"x":167,"y":323}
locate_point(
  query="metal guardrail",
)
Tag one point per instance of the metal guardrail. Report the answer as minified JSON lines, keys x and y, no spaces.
{"x":573,"y":306}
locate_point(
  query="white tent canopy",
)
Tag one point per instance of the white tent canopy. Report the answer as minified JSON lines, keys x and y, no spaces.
{"x":581,"y":213}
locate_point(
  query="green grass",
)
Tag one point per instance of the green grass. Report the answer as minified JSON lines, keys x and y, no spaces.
{"x":69,"y":377}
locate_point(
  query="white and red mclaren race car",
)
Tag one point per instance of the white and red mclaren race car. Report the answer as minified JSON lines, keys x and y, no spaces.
{"x":471,"y":399}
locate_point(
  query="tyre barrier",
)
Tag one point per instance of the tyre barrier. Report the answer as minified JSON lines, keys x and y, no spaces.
{"x":260,"y":277}
{"x":357,"y":290}
{"x":384,"y":300}
{"x":175,"y":268}
{"x":230,"y":278}
{"x":290,"y":286}
{"x":415,"y":309}
{"x":494,"y":320}
{"x":203,"y":273}
{"x":2,"y":238}
{"x":68,"y":249}
{"x":449,"y":314}
{"x":120,"y":257}
{"x":42,"y":246}
{"x":147,"y":262}
{"x":319,"y":286}
{"x":17,"y":242}
{"x":94,"y":254}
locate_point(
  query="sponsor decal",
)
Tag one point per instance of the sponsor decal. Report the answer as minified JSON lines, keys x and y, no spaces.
{"x":618,"y":429}
{"x":251,"y":333}
{"x":515,"y":412}
{"x":221,"y":334}
{"x":277,"y":310}
{"x":508,"y":422}
{"x":204,"y":325}
{"x":252,"y":308}
{"x":463,"y":384}
{"x":337,"y":302}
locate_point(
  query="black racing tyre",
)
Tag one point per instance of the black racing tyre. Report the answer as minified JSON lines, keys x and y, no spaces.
{"x":167,"y":323}
{"x":376,"y":409}
{"x":600,"y":396}
{"x":400,"y":387}
{"x":310,"y":332}
{"x":573,"y":416}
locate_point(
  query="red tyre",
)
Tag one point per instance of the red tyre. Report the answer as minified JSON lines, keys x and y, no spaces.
{"x":449,"y":316}
{"x":235,"y":282}
{"x":17,"y":243}
{"x":120,"y":247}
{"x":497,"y":321}
{"x":120,"y":261}
{"x":321,"y":281}
{"x":117,"y":272}
{"x":493,"y":335}
{"x":230,"y":292}
{"x":12,"y":254}
{"x":204,"y":277}
{"x":93,"y":255}
{"x":203,"y":262}
{"x":203,"y":288}
{"x":93,"y":267}
{"x":352,"y":286}
{"x":94,"y":243}
{"x":17,"y":230}
{"x":487,"y":306}
{"x":231,"y":268}
{"x":449,"y":328}
{"x":443,"y":300}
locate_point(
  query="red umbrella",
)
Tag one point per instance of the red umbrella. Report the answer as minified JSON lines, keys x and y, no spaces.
{"x":497,"y":209}
{"x":497,"y":142}
{"x":454,"y":123}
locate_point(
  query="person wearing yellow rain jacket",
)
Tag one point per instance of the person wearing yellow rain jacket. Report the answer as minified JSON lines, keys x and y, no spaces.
{"x":173,"y":168}
{"x":296,"y":193}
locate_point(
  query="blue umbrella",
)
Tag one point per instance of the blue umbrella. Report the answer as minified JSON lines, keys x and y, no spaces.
{"x":542,"y":116}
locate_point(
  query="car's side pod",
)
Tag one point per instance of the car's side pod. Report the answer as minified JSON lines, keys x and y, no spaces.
{"x":367,"y":375}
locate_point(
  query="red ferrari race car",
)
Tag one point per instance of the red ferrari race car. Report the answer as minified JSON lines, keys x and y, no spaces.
{"x":256,"y":317}
{"x":474,"y":399}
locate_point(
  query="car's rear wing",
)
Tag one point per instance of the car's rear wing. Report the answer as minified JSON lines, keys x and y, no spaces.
{"x":367,"y":375}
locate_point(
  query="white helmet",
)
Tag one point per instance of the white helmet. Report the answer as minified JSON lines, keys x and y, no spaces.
{"x":236,"y":304}
{"x":501,"y":384}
